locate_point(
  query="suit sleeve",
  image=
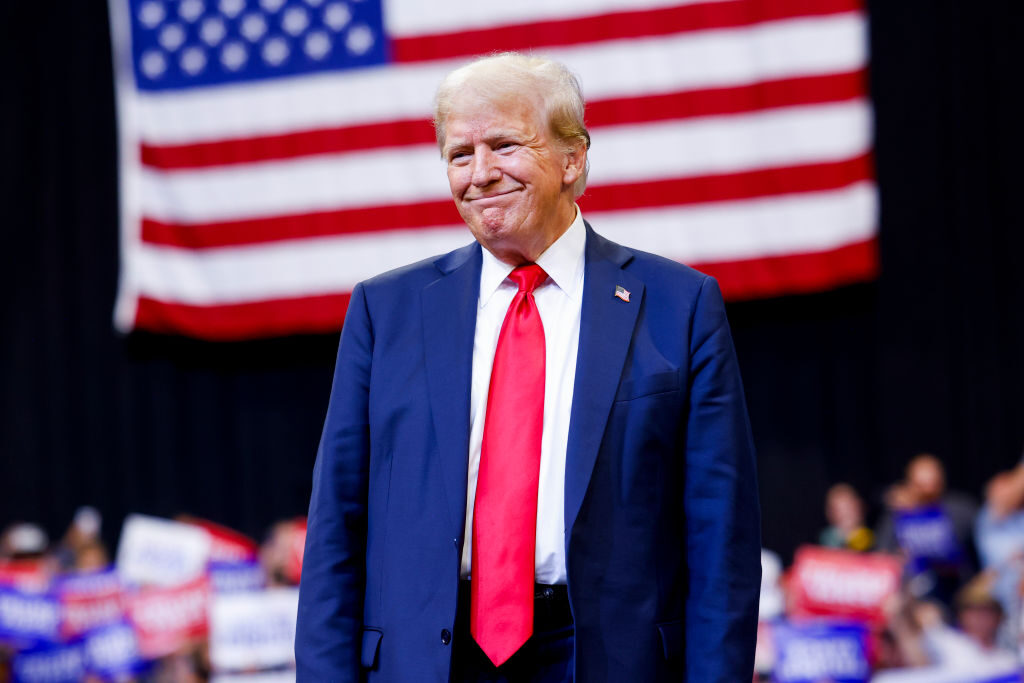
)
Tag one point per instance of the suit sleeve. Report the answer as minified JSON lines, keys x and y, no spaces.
{"x":723,"y":519}
{"x":329,"y":629}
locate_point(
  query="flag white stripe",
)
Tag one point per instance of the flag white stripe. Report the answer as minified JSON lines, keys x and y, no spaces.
{"x":756,"y":228}
{"x":727,"y":144}
{"x":696,"y":234}
{"x":686,"y":61}
{"x":712,"y":145}
{"x":415,"y":17}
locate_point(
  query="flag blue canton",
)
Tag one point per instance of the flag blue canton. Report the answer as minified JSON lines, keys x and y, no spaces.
{"x":179,"y":44}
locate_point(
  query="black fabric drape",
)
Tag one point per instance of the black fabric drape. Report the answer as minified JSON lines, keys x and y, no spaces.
{"x":844,"y":385}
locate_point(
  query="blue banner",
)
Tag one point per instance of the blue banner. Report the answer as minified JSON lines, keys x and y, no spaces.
{"x":231,"y":577}
{"x":112,"y":652}
{"x":50,"y":663}
{"x":820,"y":650}
{"x":926,"y":535}
{"x":28,"y":618}
{"x":88,"y":583}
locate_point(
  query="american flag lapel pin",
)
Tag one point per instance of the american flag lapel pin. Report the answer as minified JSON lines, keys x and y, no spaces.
{"x":622,"y":293}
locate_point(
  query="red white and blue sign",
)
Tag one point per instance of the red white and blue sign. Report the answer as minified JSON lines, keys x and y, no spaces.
{"x":838,"y":583}
{"x":89,"y":600}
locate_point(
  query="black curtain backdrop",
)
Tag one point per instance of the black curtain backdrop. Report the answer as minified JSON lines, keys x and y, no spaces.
{"x":845,"y":385}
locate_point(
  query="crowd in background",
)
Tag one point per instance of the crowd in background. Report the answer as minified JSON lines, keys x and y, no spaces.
{"x":183,"y":601}
{"x":953,"y":609}
{"x":930,"y":593}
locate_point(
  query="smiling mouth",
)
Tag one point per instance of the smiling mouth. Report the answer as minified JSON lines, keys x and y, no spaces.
{"x":492,"y":196}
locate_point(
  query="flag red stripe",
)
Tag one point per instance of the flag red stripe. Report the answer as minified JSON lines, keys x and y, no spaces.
{"x":795,"y":273}
{"x":731,"y":186}
{"x":655,"y":193}
{"x":288,"y":145}
{"x":611,"y":26}
{"x":678,"y":105}
{"x":320,"y":224}
{"x":754,"y":278}
{"x":786,"y":92}
{"x":233,"y":322}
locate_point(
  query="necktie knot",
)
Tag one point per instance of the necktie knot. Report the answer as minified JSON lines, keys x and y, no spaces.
{"x":528,"y":277}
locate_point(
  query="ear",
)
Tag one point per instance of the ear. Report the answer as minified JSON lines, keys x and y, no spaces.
{"x":574,"y":163}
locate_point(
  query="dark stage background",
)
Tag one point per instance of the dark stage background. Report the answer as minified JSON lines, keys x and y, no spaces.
{"x":844,"y":385}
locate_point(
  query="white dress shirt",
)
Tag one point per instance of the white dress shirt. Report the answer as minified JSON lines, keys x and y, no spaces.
{"x":559,"y":300}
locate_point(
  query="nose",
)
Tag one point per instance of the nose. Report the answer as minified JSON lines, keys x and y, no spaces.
{"x":485,"y":169}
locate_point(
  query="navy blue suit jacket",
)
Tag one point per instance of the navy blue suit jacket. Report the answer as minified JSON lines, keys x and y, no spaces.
{"x":661,"y":506}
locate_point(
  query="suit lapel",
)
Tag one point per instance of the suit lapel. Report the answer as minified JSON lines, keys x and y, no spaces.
{"x":606,"y":328}
{"x":449,"y":324}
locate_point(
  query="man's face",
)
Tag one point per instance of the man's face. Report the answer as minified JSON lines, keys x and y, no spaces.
{"x":981,"y":623}
{"x":511,"y":182}
{"x":927,"y":479}
{"x":844,"y":511}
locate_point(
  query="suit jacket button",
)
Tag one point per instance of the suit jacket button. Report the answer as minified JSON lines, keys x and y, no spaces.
{"x":446,"y":636}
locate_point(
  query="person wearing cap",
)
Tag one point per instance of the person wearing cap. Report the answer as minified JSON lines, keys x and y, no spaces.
{"x":536,"y":463}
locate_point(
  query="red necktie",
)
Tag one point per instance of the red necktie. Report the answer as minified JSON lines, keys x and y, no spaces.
{"x":505,"y":511}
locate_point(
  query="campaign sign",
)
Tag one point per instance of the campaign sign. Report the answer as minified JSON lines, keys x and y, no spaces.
{"x":253,"y":630}
{"x":112,"y":652}
{"x":266,"y":677}
{"x":161,"y":552}
{"x":816,"y":651}
{"x":226,"y":545}
{"x":841,"y":583}
{"x":231,"y":577}
{"x":50,"y":663}
{"x":926,"y":534}
{"x":26,"y":575}
{"x":27,"y":618}
{"x":167,"y":618}
{"x":89,"y":600}
{"x":979,"y":671}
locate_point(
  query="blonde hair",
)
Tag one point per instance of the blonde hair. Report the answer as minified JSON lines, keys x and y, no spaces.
{"x":511,"y":75}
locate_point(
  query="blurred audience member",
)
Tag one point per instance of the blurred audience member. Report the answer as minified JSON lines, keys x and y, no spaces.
{"x":91,"y":557}
{"x":23,"y":559}
{"x":23,"y":541}
{"x":932,"y":527}
{"x":81,"y":548}
{"x":281,"y":553}
{"x":925,"y":638}
{"x":1000,"y":542}
{"x":925,"y":486}
{"x":844,"y":511}
{"x":190,"y":664}
{"x":978,"y":613}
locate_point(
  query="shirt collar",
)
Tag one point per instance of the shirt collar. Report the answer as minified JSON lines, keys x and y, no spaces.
{"x":563,"y":262}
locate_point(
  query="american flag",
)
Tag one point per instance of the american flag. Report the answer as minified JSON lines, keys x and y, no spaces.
{"x":274,"y":153}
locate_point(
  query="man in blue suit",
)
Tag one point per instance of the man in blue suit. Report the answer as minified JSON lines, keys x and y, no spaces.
{"x":536,"y":463}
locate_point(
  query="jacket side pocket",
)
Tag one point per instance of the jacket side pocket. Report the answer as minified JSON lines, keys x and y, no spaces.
{"x":671,"y":638}
{"x":370,"y":647}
